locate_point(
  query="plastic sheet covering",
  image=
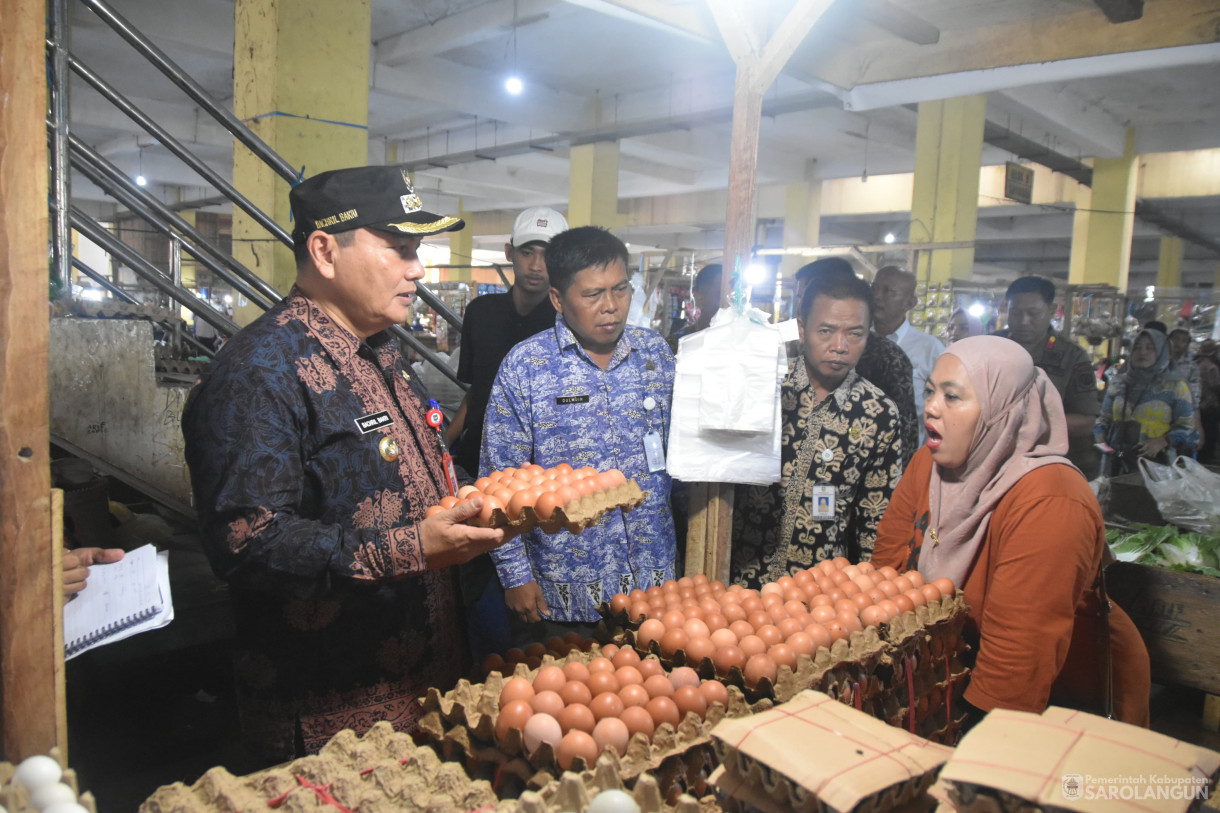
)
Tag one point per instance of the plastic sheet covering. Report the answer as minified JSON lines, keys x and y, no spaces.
{"x":726,"y":407}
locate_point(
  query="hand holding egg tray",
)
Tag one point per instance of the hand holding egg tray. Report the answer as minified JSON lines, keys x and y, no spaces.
{"x":551,"y":499}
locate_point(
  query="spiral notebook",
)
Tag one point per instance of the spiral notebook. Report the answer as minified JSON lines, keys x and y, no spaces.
{"x":119,"y":600}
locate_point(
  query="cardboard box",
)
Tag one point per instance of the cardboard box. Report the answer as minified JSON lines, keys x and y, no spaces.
{"x":1176,"y":615}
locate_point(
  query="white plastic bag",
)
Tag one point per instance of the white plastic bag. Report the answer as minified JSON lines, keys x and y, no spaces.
{"x":1186,"y":493}
{"x":726,"y":408}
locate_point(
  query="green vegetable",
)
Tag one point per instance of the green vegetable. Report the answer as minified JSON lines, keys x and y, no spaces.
{"x":1167,"y":546}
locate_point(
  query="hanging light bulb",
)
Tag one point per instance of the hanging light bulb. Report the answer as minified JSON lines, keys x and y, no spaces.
{"x":140,"y":179}
{"x":514,"y":85}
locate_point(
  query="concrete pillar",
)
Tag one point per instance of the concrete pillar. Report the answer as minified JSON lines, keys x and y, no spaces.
{"x":300,"y":81}
{"x":1080,"y":235}
{"x":593,"y":196}
{"x":1169,"y":268}
{"x":461,"y":247}
{"x":802,"y":221}
{"x":1111,"y":220}
{"x":945,"y":199}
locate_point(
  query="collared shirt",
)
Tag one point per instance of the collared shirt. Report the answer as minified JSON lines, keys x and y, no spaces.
{"x":923,"y":351}
{"x":1068,"y":367}
{"x":312,"y":466}
{"x":849,"y":441}
{"x":553,"y":404}
{"x":491,"y":327}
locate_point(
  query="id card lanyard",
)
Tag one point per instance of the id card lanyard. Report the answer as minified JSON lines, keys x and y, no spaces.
{"x":654,"y":447}
{"x":436,"y":419}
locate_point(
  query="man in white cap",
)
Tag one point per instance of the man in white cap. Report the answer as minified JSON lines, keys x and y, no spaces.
{"x":492,"y":325}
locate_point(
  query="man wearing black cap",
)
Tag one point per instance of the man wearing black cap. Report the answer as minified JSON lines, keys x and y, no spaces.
{"x":312,"y":466}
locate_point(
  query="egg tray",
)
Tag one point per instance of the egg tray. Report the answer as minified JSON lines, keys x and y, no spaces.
{"x":381,"y":772}
{"x":461,"y":725}
{"x":766,"y":789}
{"x":587,"y":511}
{"x":16,"y":798}
{"x":574,"y":791}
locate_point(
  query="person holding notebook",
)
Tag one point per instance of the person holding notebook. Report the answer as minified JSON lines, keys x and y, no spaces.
{"x":312,"y":466}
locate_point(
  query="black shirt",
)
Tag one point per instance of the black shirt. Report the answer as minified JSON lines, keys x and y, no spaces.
{"x":490,"y":328}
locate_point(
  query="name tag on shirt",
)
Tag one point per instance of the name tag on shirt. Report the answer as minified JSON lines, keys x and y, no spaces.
{"x":571,"y":399}
{"x":373,"y":422}
{"x":822,"y":499}
{"x":654,"y":451}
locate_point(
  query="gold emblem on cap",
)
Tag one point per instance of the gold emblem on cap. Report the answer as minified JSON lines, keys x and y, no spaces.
{"x":388,"y":448}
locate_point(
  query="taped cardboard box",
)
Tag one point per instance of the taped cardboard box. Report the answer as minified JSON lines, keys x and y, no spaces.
{"x":1069,"y":760}
{"x":814,"y":754}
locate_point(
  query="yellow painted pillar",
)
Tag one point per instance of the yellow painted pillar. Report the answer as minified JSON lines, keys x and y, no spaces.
{"x":945,"y":199}
{"x":1080,"y":235}
{"x":461,"y":248}
{"x":300,"y":81}
{"x":802,"y":222}
{"x":1111,"y":220}
{"x":593,"y":195}
{"x":1169,"y":268}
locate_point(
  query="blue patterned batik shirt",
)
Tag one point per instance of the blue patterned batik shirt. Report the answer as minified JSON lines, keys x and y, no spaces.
{"x":552,"y":404}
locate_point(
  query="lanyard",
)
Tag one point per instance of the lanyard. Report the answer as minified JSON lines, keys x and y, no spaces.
{"x":436,"y":419}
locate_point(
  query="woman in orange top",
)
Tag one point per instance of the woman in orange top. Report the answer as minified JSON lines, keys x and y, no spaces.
{"x":992,"y":503}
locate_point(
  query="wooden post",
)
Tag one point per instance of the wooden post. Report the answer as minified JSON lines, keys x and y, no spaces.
{"x":759,"y":60}
{"x":29,"y":716}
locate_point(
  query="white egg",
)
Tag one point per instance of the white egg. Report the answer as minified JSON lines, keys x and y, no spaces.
{"x":65,"y":807}
{"x":49,"y":795}
{"x":36,"y":771}
{"x":613,"y":801}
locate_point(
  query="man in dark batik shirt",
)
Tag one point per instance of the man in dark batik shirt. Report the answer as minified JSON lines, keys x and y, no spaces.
{"x":841,"y":455}
{"x":312,"y":465}
{"x":882,"y":363}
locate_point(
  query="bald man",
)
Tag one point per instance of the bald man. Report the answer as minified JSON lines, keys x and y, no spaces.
{"x":893,"y":298}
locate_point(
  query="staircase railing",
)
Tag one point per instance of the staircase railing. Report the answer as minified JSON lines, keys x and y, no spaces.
{"x":67,"y":150}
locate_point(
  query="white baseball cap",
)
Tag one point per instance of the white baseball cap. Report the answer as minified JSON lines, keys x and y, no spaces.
{"x":537,"y":224}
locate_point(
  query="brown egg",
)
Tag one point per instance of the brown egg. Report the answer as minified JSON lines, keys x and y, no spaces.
{"x":699,"y":649}
{"x":523,"y":498}
{"x":557,"y":645}
{"x":852,"y":571}
{"x":658,"y":686}
{"x":539,"y":729}
{"x":850,"y":589}
{"x":789,"y":626}
{"x":532,"y":662}
{"x":490,"y":504}
{"x":931,"y":592}
{"x":612,"y":733}
{"x":683,"y":676}
{"x":547,"y":702}
{"x":503,"y":493}
{"x":432,"y":511}
{"x":600,"y":664}
{"x":517,"y":688}
{"x":651,"y":630}
{"x":723,"y":637}
{"x":513,"y":715}
{"x":639,"y":720}
{"x":733,"y":613}
{"x":634,"y":694}
{"x":649,"y":667}
{"x":837,"y":631}
{"x":609,"y":651}
{"x":801,"y":644}
{"x":727,"y":657}
{"x":544,"y":507}
{"x":690,"y":700}
{"x":576,"y":671}
{"x":576,"y":716}
{"x":715,"y":621}
{"x":866,"y":568}
{"x":741,"y":629}
{"x":846,"y":605}
{"x":889,"y":588}
{"x":904,"y":602}
{"x":638,"y":611}
{"x":549,"y":678}
{"x":890,"y":608}
{"x":945,"y":586}
{"x":515,"y":655}
{"x":821,"y":637}
{"x":823,"y":613}
{"x":468,"y":491}
{"x":873,"y":616}
{"x":769,"y":634}
{"x":783,"y":655}
{"x":673,"y":619}
{"x":751,"y":604}
{"x":903,"y":584}
{"x":714,"y":692}
{"x":449,"y":502}
{"x":865,"y":583}
{"x":673,"y":640}
{"x":834,"y":595}
{"x":493,"y":663}
{"x":862,"y":600}
{"x":777,"y":614}
{"x":916,"y":596}
{"x":876,"y":595}
{"x":628,"y":675}
{"x":619,"y":601}
{"x":850,"y":620}
{"x":752,"y":645}
{"x":840,"y":577}
{"x":695,"y":628}
{"x":535,"y":650}
{"x":913,"y":576}
{"x":759,"y":667}
{"x":606,"y":704}
{"x":820,"y":600}
{"x":602,"y":682}
{"x":575,"y":691}
{"x":576,"y":745}
{"x":887,"y":572}
{"x":663,"y":710}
